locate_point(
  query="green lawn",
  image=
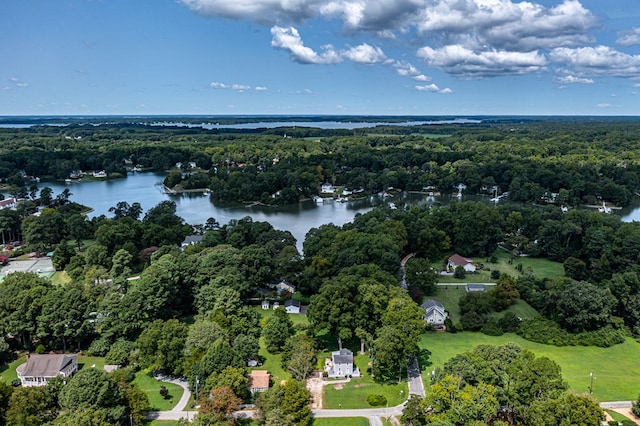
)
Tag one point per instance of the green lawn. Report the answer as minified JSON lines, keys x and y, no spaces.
{"x":295,"y":318}
{"x":616,"y":369}
{"x":354,"y":394}
{"x":539,"y":267}
{"x":450,"y":295}
{"x":145,"y":381}
{"x":617,"y":416}
{"x":8,"y":371}
{"x":272,"y":363}
{"x":342,"y":421}
{"x":60,"y":278}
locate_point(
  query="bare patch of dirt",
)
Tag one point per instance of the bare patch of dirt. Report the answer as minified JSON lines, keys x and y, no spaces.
{"x":339,"y":386}
{"x":314,"y":385}
{"x":359,"y":385}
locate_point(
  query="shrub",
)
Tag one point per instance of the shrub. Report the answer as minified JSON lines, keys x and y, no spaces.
{"x":119,"y":353}
{"x":164,"y":392}
{"x":449,"y":325}
{"x":40,"y":349}
{"x":126,"y":374}
{"x":472,"y":321}
{"x":491,"y":328}
{"x":459,"y":272}
{"x":99,"y":347}
{"x":548,"y":332}
{"x":16,"y":382}
{"x":509,"y":322}
{"x":376,"y":400}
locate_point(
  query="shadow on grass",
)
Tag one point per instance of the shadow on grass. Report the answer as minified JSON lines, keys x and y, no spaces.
{"x":424,"y":360}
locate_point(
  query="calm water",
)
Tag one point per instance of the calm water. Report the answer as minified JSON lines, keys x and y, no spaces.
{"x":196,"y":208}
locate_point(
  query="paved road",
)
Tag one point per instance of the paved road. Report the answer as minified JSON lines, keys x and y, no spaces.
{"x":616,"y":404}
{"x":416,"y":387}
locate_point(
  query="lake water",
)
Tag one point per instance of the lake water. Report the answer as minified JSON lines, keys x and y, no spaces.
{"x":196,"y":208}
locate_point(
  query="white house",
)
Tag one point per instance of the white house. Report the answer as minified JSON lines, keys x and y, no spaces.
{"x":39,"y":369}
{"x":434,"y":312}
{"x":327,"y":188}
{"x":190,"y":240}
{"x":292,"y":306}
{"x":341,"y":364}
{"x":285,"y":287}
{"x":457,"y":260}
{"x":8,"y":203}
{"x":265,"y":304}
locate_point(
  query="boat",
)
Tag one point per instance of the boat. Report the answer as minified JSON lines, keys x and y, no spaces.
{"x":342,"y":199}
{"x":318,"y":199}
{"x":68,"y":180}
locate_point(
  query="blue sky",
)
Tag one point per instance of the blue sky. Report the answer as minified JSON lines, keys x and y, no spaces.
{"x":396,"y":57}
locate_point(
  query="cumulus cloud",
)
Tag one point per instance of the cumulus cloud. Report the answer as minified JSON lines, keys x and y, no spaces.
{"x":405,"y":69}
{"x":432,"y":88}
{"x":572,"y":79}
{"x":459,"y":60}
{"x":236,"y":87}
{"x":289,"y":39}
{"x":597,"y":61}
{"x":629,"y":38}
{"x":365,"y":54}
{"x":265,"y":12}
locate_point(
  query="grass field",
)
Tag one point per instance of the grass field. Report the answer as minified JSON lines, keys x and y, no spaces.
{"x":295,"y":318}
{"x":272,"y":363}
{"x":354,"y":394}
{"x":60,"y":278}
{"x":145,"y":381}
{"x":616,"y":370}
{"x":540,"y":268}
{"x":450,"y":295}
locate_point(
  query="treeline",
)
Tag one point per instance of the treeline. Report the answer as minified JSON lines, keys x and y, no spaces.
{"x":566,"y":163}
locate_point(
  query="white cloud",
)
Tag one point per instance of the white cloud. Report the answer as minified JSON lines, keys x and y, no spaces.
{"x":572,"y":79}
{"x":18,"y":83}
{"x":236,"y":87}
{"x":604,"y":105}
{"x":432,"y":88}
{"x":266,"y":12}
{"x":405,"y":69}
{"x":365,"y":54}
{"x":289,"y":39}
{"x":261,"y":88}
{"x":597,"y":61}
{"x":629,"y":38}
{"x":459,"y":60}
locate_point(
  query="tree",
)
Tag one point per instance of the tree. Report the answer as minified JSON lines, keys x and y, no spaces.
{"x":137,"y":403}
{"x":232,"y":377}
{"x":413,"y":413}
{"x":570,"y":408}
{"x":459,"y":272}
{"x":246,"y":346}
{"x":30,"y":406}
{"x":62,"y":255}
{"x":46,"y":195}
{"x":460,"y":404}
{"x":5,"y":396}
{"x":389,"y":356}
{"x":286,"y":404}
{"x":93,"y":389}
{"x":277,"y":329}
{"x":421,"y":278}
{"x":504,"y":293}
{"x":582,"y":306}
{"x":299,"y":356}
{"x":161,"y":345}
{"x":221,"y":403}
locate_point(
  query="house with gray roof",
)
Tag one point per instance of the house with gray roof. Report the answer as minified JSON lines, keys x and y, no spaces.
{"x":341,"y":364}
{"x":434,"y":312}
{"x":39,"y":369}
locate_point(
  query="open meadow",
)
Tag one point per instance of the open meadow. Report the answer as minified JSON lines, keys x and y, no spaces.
{"x":616,"y":370}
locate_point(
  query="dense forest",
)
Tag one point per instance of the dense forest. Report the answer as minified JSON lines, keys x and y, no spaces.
{"x":135,"y":296}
